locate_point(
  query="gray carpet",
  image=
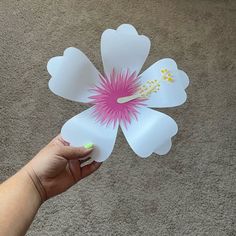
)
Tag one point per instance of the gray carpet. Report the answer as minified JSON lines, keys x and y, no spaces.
{"x":190,"y":191}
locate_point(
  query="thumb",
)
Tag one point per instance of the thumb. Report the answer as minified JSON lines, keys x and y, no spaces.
{"x":71,"y":153}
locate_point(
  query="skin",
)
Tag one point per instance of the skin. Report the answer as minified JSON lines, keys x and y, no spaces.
{"x":52,"y":171}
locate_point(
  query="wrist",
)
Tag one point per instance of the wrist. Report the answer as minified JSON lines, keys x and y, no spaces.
{"x":35,"y":184}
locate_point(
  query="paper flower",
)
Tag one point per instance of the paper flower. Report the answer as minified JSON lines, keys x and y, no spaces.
{"x":120,"y":96}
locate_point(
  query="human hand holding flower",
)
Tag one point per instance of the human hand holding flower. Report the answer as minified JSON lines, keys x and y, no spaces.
{"x":58,"y":166}
{"x":52,"y":171}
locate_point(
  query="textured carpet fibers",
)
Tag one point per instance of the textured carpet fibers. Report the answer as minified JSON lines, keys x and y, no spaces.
{"x":190,"y":191}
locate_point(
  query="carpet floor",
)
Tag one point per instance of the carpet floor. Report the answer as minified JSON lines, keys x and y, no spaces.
{"x":191,"y":190}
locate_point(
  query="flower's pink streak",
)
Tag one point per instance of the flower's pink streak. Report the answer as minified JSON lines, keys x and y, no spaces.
{"x":107,"y":109}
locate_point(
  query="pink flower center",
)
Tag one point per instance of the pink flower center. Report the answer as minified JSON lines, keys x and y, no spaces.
{"x":107,"y":109}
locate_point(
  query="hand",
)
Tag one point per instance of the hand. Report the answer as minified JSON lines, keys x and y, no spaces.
{"x":58,"y":166}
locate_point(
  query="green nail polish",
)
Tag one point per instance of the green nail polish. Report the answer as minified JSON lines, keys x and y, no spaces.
{"x":88,"y":145}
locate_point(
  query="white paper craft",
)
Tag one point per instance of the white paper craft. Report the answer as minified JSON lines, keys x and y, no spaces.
{"x":119,"y":96}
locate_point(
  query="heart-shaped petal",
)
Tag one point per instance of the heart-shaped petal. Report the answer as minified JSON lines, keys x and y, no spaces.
{"x":83,"y":129}
{"x":172,"y":84}
{"x":73,"y":75}
{"x":149,"y":132}
{"x":123,"y":49}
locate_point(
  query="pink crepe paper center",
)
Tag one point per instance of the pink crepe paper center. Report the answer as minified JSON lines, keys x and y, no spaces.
{"x":107,"y":109}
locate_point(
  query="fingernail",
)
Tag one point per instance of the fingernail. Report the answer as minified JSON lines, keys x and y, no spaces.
{"x":88,"y":146}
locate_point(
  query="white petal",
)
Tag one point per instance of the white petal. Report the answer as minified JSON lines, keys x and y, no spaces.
{"x":54,"y":64}
{"x":123,"y":49}
{"x":83,"y":129}
{"x":165,"y":148}
{"x":127,"y":29}
{"x":171,"y":94}
{"x":183,"y":78}
{"x":149,"y":132}
{"x":72,"y":75}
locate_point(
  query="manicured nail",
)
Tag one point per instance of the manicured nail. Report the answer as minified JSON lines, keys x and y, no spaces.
{"x":88,"y":146}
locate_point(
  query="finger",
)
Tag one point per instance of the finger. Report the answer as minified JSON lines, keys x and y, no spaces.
{"x":64,"y":142}
{"x":59,"y":140}
{"x":84,"y":160}
{"x":89,"y":169}
{"x":75,"y":169}
{"x":71,"y":153}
